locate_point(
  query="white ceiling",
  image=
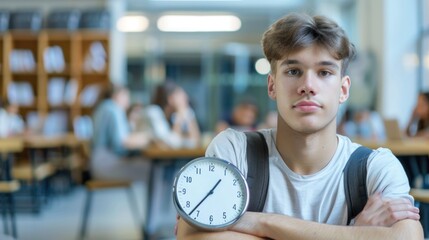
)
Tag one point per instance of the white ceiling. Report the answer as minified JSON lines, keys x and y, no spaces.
{"x":256,"y":16}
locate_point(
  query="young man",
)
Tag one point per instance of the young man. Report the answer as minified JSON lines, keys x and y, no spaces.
{"x":306,"y":199}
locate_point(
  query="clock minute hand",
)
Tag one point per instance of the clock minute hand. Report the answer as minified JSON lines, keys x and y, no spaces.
{"x":208,"y":194}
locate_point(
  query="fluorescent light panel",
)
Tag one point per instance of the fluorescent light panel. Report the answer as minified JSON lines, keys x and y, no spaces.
{"x":132,"y":23}
{"x":199,"y":23}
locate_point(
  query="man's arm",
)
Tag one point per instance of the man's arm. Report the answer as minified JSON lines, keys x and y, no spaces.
{"x":185,"y":231}
{"x":275,"y":226}
{"x":381,"y":218}
{"x":386,"y":212}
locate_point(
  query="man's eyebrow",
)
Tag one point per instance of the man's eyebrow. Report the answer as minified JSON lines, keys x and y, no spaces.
{"x":321,"y":63}
{"x":289,"y":62}
{"x":330,"y":64}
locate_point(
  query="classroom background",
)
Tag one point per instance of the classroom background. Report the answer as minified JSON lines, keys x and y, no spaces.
{"x":59,"y":59}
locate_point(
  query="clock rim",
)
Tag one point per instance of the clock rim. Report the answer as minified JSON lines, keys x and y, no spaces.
{"x":197,"y":224}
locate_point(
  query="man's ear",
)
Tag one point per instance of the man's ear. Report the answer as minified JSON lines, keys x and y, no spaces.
{"x":271,"y":86}
{"x":345,"y":89}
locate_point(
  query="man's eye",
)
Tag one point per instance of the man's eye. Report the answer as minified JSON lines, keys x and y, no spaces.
{"x":293,"y":72}
{"x":325,"y":73}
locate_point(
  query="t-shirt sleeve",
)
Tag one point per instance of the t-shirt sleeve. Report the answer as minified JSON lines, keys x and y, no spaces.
{"x":230,"y":145}
{"x":387,"y":175}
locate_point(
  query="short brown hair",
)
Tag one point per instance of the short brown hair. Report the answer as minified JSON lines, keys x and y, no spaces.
{"x":297,"y":31}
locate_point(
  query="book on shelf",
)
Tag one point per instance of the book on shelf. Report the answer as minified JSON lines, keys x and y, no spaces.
{"x":54,"y":59}
{"x":70,"y":92}
{"x":82,"y":127}
{"x":96,"y":58}
{"x":22,"y":60}
{"x":20,"y":93}
{"x":56,"y":87}
{"x":55,"y":123}
{"x":89,"y":95}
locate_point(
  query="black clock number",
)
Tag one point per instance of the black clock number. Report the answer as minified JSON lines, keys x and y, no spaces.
{"x":188,"y":204}
{"x":234,"y":182}
{"x":211,"y":219}
{"x":183,"y":191}
{"x":211,"y":167}
{"x":234,"y":207}
{"x":188,"y":179}
{"x":239,"y":194}
{"x":224,"y":215}
{"x":197,"y":170}
{"x":224,"y":171}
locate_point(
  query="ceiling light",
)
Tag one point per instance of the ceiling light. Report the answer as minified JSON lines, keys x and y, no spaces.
{"x":199,"y":23}
{"x":132,"y":23}
{"x":262,"y":66}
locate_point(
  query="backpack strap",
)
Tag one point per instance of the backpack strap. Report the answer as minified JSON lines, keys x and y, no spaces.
{"x":258,"y":170}
{"x":355,"y":173}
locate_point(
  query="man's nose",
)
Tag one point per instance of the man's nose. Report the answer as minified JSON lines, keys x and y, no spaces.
{"x":307,"y":84}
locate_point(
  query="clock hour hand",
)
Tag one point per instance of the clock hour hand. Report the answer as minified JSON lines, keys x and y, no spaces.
{"x":208,"y":194}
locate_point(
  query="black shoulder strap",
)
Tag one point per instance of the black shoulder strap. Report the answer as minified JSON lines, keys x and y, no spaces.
{"x":355,"y":182}
{"x":258,"y":170}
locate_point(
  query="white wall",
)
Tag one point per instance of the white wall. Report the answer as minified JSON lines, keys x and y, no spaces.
{"x":389,"y":28}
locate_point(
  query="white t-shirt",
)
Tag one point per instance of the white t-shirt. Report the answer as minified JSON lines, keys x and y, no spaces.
{"x":320,"y":196}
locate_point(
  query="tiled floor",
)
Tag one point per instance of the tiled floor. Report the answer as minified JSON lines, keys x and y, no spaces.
{"x":60,"y":219}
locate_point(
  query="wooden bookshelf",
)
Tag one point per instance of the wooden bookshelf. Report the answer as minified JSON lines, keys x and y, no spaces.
{"x":35,"y":59}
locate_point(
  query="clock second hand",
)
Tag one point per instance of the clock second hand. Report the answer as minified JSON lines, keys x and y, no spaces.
{"x":208,"y":194}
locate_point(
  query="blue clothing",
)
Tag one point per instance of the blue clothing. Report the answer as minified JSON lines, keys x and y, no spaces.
{"x":111,"y":127}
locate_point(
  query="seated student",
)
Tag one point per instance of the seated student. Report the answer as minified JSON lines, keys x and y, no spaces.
{"x":243,"y":117}
{"x":4,"y":131}
{"x":174,"y":103}
{"x":270,"y":120}
{"x":16,"y":125}
{"x":306,"y":197}
{"x":362,"y":124}
{"x":418,"y":125}
{"x":135,"y":116}
{"x":113,"y":142}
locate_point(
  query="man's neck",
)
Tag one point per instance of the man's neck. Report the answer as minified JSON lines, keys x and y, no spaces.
{"x":306,"y":153}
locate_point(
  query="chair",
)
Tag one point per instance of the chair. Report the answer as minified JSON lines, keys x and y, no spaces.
{"x":8,"y":185}
{"x":93,"y":185}
{"x":7,"y":204}
{"x":35,"y":174}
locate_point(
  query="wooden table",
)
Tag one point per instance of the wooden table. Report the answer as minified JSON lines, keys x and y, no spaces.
{"x":161,"y":158}
{"x":42,"y":141}
{"x":39,"y":169}
{"x":172,"y":153}
{"x":11,"y":145}
{"x":406,"y":147}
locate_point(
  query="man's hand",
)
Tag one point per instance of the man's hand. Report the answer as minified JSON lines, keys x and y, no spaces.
{"x":386,"y":212}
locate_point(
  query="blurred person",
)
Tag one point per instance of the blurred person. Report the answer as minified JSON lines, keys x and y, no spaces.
{"x":16,"y":125}
{"x":135,"y":116}
{"x":174,"y":103}
{"x":116,"y":151}
{"x":418,"y":125}
{"x":4,"y":121}
{"x":270,"y":120}
{"x":362,"y":124}
{"x":243,"y":117}
{"x":306,"y":199}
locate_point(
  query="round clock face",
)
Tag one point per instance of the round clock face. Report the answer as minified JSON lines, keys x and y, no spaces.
{"x":210,"y":193}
